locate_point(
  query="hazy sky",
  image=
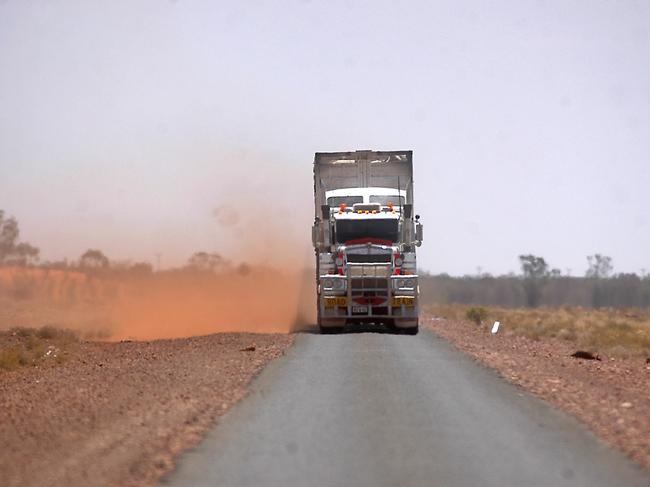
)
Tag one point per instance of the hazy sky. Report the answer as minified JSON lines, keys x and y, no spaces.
{"x":125,"y":124}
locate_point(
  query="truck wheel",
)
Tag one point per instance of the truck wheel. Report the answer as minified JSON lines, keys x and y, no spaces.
{"x":335,"y":326}
{"x":330,"y":330}
{"x":411,"y":331}
{"x":402,"y":331}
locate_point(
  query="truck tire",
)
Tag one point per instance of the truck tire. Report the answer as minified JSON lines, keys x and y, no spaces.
{"x":337,"y":327}
{"x":411,"y":331}
{"x":330,"y":330}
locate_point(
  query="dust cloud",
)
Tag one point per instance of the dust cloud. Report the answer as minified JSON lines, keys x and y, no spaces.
{"x":170,"y":304}
{"x":253,"y":274}
{"x":178,"y":304}
{"x":268,"y":288}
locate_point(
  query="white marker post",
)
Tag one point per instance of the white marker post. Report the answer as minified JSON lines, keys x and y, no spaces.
{"x":495,"y":327}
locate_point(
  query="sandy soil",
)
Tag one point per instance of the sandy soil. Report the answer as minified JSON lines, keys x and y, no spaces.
{"x":611,"y":396}
{"x":117,"y":413}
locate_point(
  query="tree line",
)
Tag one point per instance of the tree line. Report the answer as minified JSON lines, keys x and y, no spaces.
{"x":539,"y":284}
{"x":13,"y":252}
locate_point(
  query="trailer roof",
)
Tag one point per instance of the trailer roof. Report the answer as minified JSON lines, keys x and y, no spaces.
{"x":362,"y":169}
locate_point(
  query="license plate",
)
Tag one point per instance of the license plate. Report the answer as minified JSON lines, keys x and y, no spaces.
{"x":359,"y":309}
{"x":403,"y":301}
{"x":333,"y":301}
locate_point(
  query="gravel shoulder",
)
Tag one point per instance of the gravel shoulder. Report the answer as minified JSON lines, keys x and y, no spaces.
{"x":611,"y":396}
{"x":118,"y":413}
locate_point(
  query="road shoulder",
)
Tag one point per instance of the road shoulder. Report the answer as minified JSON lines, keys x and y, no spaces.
{"x":118,"y":413}
{"x":610,"y":396}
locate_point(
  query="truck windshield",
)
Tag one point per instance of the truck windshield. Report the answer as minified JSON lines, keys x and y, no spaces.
{"x":384,"y":199}
{"x":375,"y":229}
{"x":335,"y":201}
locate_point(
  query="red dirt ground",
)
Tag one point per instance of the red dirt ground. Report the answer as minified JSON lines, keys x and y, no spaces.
{"x":115,"y":414}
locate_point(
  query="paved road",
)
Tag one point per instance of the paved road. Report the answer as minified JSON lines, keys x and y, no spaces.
{"x":374,"y":410}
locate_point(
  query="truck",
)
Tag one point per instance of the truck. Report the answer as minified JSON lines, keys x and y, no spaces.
{"x":365,"y":234}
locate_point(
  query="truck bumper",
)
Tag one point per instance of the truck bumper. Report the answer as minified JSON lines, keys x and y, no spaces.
{"x":406,"y":315}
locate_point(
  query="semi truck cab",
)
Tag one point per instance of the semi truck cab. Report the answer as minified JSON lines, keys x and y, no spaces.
{"x":365,"y":238}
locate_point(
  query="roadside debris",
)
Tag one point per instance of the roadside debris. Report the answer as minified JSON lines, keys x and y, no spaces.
{"x":583,"y":354}
{"x":248,"y":349}
{"x":495,"y":327}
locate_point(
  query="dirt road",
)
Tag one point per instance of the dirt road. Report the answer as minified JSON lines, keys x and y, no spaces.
{"x":386,"y":410}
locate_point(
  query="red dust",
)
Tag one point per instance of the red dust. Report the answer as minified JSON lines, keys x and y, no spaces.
{"x":171,"y":304}
{"x":182,"y":304}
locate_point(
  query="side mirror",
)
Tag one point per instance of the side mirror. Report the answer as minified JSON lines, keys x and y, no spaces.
{"x":315,"y":235}
{"x":418,"y":234}
{"x":325,"y":211}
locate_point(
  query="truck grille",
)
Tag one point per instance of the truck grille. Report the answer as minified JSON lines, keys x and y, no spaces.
{"x":368,"y":258}
{"x":369,"y":270}
{"x":369,"y":283}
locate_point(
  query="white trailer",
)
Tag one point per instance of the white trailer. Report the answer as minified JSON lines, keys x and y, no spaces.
{"x":365,"y":234}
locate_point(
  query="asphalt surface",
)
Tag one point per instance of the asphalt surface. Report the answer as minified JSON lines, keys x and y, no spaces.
{"x":368,"y":409}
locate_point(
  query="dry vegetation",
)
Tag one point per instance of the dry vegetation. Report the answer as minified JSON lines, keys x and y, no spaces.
{"x":35,"y":346}
{"x":615,"y":332}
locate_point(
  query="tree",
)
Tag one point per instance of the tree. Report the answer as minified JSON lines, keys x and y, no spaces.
{"x":600,"y":266}
{"x":141,"y":269}
{"x":93,"y":259}
{"x":207,"y":262}
{"x":536,"y":273}
{"x":13,"y":252}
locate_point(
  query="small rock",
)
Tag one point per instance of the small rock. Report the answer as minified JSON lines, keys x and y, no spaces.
{"x":583,"y":354}
{"x":248,"y":349}
{"x":626,"y":405}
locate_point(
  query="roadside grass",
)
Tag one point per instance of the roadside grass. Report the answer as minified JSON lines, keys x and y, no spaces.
{"x":616,"y":332}
{"x":23,"y":346}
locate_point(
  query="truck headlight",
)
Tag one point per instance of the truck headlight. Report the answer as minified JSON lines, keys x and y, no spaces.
{"x":339,"y":284}
{"x":404,"y":283}
{"x":333,"y":283}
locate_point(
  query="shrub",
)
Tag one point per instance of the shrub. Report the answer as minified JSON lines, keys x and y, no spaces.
{"x":22,"y":331}
{"x":12,"y":358}
{"x":476,"y":314}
